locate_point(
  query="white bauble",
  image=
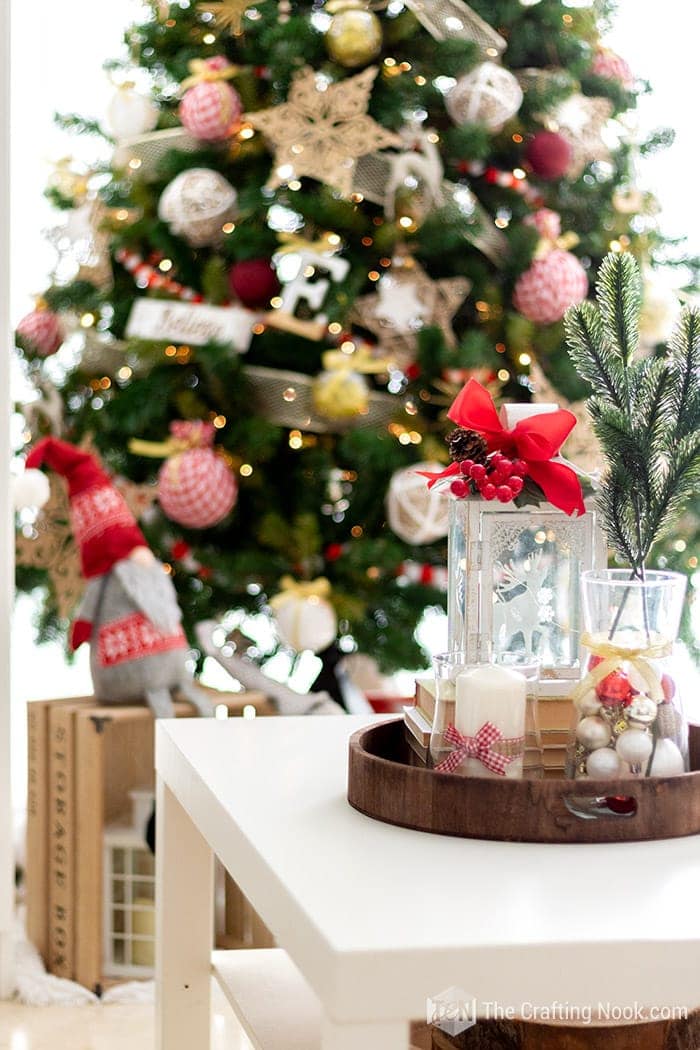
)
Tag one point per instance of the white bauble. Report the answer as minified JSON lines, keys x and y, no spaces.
{"x":593,"y":732}
{"x":667,"y":760}
{"x":488,"y":95}
{"x":589,"y":704}
{"x":416,"y":513}
{"x":306,"y":623}
{"x":130,"y":113}
{"x":196,"y":205}
{"x":603,"y":763}
{"x":634,"y":746}
{"x":30,"y":489}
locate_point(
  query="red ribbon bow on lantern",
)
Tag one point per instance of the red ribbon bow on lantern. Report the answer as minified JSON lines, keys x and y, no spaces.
{"x":535,"y":440}
{"x":479,"y":746}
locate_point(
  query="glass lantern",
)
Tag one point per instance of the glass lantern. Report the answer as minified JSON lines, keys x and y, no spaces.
{"x":513,"y":583}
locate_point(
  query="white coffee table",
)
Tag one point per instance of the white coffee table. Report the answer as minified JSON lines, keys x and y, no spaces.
{"x":371,"y":920}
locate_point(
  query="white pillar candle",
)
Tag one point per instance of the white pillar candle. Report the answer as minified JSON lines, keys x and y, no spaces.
{"x":491,"y":694}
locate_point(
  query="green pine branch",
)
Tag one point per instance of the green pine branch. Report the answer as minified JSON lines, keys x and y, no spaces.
{"x":646,"y":413}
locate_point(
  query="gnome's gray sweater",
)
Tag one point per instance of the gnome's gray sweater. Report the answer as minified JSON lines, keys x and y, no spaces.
{"x":137,"y":645}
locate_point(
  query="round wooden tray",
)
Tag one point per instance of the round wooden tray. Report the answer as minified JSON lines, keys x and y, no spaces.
{"x":382,"y":784}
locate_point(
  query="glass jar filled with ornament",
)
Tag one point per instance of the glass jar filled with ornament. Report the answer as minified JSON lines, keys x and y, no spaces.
{"x":628,"y":714}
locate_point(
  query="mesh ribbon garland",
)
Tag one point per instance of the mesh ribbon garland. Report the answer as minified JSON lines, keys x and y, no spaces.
{"x":455,"y":20}
{"x":285,"y":398}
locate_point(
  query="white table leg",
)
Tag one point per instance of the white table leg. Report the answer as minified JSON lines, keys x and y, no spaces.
{"x":184,"y":923}
{"x":385,"y":1035}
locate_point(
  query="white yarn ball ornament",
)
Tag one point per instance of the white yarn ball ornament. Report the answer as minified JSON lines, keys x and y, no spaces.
{"x":30,"y":489}
{"x":196,"y":204}
{"x":488,"y":95}
{"x":416,"y":513}
{"x":306,"y":623}
{"x":130,"y":113}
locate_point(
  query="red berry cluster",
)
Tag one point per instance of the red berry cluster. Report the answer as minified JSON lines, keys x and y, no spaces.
{"x":500,"y":478}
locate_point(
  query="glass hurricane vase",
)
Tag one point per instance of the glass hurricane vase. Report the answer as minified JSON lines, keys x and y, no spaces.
{"x":628,"y":716}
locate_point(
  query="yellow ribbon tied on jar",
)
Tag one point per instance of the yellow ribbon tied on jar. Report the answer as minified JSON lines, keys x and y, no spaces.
{"x":612,"y":656}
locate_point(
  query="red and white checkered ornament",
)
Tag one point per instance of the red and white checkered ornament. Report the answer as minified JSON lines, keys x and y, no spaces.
{"x":196,"y":487}
{"x":545,"y":292}
{"x":211,"y":109}
{"x":41,"y":332}
{"x":610,"y":66}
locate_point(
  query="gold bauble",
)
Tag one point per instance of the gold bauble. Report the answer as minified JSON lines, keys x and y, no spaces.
{"x":340,"y":395}
{"x":354,"y":36}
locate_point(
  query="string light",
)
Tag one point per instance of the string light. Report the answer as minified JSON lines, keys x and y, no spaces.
{"x":208,"y":38}
{"x":289,"y":394}
{"x":228,"y":227}
{"x":503,"y":375}
{"x":356,"y":531}
{"x":87,"y":320}
{"x":335,"y":328}
{"x":246,"y":470}
{"x":295,"y":439}
{"x":367,"y":241}
{"x":219,"y":422}
{"x":525,"y":359}
{"x":374,"y":275}
{"x":165,"y":264}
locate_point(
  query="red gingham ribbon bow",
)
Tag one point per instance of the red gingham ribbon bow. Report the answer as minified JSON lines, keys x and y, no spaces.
{"x":479,"y":746}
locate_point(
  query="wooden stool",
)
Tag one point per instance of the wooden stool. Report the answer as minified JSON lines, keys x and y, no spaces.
{"x":508,"y":1035}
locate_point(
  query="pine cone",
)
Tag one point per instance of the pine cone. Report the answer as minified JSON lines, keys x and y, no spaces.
{"x":467,"y":444}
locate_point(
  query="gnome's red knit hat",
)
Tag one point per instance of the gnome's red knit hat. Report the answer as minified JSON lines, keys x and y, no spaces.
{"x":103,"y":526}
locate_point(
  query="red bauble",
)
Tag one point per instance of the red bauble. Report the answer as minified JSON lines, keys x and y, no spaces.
{"x":254,"y":282}
{"x":40,"y":332}
{"x":196,"y":488}
{"x":549,"y":154}
{"x":614,"y":689}
{"x":545,"y":292}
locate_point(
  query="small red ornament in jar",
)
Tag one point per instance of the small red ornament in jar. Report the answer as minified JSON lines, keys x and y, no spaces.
{"x":614,"y":689}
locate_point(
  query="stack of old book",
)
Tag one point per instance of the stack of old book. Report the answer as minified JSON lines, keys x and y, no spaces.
{"x":554,"y":714}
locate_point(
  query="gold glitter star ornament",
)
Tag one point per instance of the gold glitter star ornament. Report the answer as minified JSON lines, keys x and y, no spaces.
{"x":322,"y":129}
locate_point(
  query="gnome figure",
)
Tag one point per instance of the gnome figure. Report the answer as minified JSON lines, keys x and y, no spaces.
{"x":129,"y":612}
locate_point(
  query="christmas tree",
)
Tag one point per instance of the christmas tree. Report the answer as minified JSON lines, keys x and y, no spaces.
{"x":319,"y":221}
